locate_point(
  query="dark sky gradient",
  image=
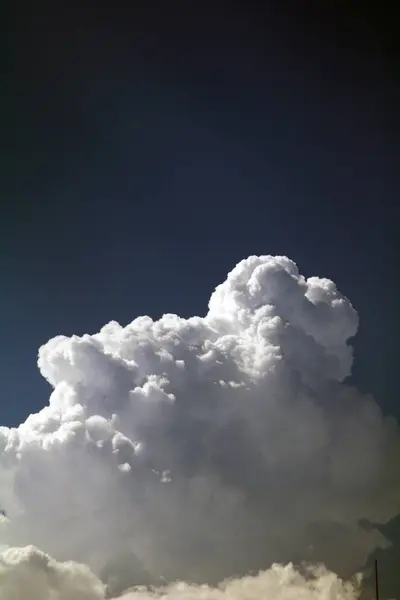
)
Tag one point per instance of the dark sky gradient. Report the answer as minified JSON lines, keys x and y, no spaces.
{"x":148,"y":150}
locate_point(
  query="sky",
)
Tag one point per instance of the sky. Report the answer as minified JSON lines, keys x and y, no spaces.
{"x":148,"y":150}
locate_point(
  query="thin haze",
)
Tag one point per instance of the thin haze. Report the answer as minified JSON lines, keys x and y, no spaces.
{"x":202,"y":449}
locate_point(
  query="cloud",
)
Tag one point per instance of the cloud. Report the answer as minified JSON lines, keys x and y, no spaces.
{"x":277,"y":583}
{"x":207,"y":447}
{"x":28,"y":573}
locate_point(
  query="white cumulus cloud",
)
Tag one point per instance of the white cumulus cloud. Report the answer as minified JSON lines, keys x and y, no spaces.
{"x":207,"y":447}
{"x":29,"y":574}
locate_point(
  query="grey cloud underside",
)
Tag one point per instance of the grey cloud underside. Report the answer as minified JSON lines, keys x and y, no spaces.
{"x":208,"y":446}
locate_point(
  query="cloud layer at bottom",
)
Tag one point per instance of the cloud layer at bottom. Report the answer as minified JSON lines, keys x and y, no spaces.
{"x":29,"y":574}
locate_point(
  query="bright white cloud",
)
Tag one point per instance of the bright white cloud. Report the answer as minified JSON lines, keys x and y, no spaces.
{"x":205,"y":447}
{"x":277,"y":583}
{"x":29,"y":574}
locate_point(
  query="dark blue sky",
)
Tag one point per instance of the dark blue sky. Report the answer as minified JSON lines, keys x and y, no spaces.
{"x":148,"y":150}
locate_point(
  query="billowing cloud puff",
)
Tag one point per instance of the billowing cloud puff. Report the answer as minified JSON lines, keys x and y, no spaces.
{"x":278,"y":583}
{"x":206,"y":447}
{"x":29,"y":574}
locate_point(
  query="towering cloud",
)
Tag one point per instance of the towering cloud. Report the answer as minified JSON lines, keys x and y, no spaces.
{"x":203,"y":448}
